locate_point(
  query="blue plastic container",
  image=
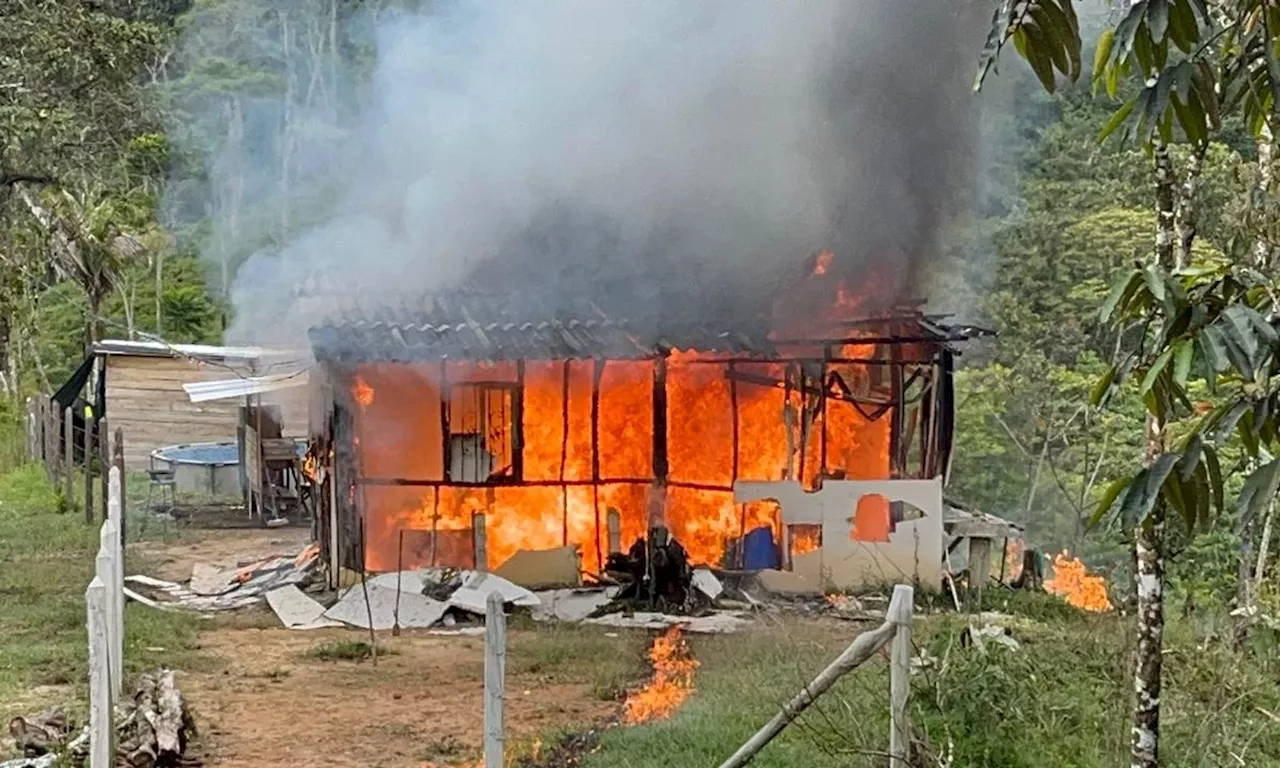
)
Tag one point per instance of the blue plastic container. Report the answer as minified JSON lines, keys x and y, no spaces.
{"x":759,"y":550}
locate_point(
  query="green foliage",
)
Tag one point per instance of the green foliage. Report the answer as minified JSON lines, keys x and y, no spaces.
{"x":1209,"y":321}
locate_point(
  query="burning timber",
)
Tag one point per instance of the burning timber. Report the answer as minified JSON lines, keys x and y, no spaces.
{"x":456,"y":434}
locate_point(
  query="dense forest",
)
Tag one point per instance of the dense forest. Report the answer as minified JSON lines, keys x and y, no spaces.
{"x":111,"y":224}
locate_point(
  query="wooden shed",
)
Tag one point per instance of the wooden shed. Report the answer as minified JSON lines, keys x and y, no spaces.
{"x":144,"y":393}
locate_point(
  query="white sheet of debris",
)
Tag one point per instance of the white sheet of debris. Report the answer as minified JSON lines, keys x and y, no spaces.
{"x":476,"y":587}
{"x":409,"y":581}
{"x":707,"y":583}
{"x":571,"y":604}
{"x":414,"y":611}
{"x":297,"y":611}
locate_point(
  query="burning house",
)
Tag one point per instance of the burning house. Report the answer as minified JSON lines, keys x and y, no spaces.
{"x":454,"y":414}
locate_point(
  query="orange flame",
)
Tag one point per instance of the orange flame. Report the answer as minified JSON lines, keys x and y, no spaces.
{"x":1072,"y":581}
{"x":672,"y":681}
{"x":561,"y":500}
{"x":311,"y":468}
{"x":805,"y":539}
{"x":362,"y":392}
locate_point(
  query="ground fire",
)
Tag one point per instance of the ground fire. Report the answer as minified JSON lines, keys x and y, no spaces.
{"x":1072,"y":581}
{"x":672,"y":681}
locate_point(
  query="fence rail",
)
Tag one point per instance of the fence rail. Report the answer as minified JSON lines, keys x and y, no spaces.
{"x":104,"y":606}
{"x":895,"y":631}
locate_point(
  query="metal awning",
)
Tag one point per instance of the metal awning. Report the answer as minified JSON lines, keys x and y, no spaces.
{"x":227,"y":389}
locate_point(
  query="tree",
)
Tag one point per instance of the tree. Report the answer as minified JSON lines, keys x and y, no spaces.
{"x":1191,"y":65}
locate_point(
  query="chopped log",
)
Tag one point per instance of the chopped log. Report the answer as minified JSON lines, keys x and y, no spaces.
{"x":155,"y":725}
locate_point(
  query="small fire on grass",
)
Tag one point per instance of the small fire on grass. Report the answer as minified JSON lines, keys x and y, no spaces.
{"x":672,"y":681}
{"x":1073,"y":582}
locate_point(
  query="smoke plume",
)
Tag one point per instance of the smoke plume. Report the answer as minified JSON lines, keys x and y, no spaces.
{"x":655,"y":157}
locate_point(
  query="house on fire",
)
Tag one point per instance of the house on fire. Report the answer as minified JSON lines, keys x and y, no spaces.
{"x":576,"y":427}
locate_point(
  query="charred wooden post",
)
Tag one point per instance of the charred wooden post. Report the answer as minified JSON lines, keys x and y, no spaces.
{"x":564,"y":450}
{"x":596,"y":376}
{"x":517,"y":425}
{"x":661,"y":466}
{"x":479,"y":545}
{"x":447,"y":451}
{"x":614,"y":520}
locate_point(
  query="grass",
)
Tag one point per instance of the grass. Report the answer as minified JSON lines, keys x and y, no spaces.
{"x":347,"y":650}
{"x":1063,"y":699}
{"x":564,"y":653}
{"x":48,"y":561}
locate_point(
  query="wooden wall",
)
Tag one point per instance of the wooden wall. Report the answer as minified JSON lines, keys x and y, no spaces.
{"x":145,"y":397}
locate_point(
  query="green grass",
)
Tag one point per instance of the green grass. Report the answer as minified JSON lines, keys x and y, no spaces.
{"x":347,"y":650}
{"x":1063,"y":699}
{"x":48,"y":560}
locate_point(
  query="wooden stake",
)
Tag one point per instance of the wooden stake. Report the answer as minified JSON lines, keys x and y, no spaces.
{"x":495,"y":670}
{"x":69,"y":457}
{"x":88,"y":471}
{"x":104,"y":464}
{"x":117,"y":460}
{"x":900,"y":614}
{"x":395,"y":621}
{"x":614,"y":522}
{"x":368,"y":607}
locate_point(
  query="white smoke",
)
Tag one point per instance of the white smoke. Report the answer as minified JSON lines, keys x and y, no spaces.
{"x":621,"y":150}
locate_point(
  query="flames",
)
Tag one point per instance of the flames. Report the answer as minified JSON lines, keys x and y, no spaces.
{"x":1073,"y":582}
{"x":362,"y":392}
{"x":672,"y":681}
{"x":574,"y":472}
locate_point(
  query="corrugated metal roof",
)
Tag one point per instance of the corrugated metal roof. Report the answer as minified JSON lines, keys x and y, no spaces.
{"x":226,"y":389}
{"x":475,"y":325}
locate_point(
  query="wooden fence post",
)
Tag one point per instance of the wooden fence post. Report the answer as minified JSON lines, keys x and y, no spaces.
{"x":88,"y":471}
{"x":104,"y":464}
{"x":101,"y":719}
{"x":117,"y":461}
{"x":900,"y":614}
{"x":69,"y":457}
{"x":32,"y":445}
{"x":106,"y":573}
{"x":116,"y":511}
{"x":46,"y":439}
{"x":495,"y":670}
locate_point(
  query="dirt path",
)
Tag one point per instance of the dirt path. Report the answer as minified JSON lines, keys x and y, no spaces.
{"x":272,"y":705}
{"x":172,"y":558}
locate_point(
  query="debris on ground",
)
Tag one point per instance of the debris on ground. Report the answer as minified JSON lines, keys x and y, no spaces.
{"x":786,"y":584}
{"x":297,"y":610}
{"x":213,"y":590}
{"x":40,"y":738}
{"x":476,"y":587}
{"x":544,"y":568}
{"x":152,"y":727}
{"x":980,"y":636}
{"x":387,"y":606}
{"x":571,"y":604}
{"x":719,"y":622}
{"x":706,"y":582}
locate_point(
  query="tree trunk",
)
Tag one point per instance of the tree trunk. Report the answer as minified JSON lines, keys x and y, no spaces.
{"x":1148,"y":536}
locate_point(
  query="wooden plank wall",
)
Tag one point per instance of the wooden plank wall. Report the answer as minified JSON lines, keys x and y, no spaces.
{"x":146,"y":399}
